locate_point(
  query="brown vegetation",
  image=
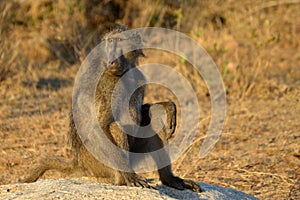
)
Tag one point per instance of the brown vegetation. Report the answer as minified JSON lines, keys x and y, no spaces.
{"x":255,"y":45}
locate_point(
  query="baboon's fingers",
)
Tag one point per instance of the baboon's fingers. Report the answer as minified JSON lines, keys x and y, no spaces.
{"x":192,"y":185}
{"x":174,"y":182}
{"x":181,"y":184}
{"x":143,"y":184}
{"x":133,"y":179}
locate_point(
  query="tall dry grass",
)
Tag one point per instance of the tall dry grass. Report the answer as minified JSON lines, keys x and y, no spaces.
{"x":255,"y":45}
{"x":248,"y":39}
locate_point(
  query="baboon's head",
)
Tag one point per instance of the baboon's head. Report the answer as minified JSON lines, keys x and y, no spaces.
{"x":116,"y":43}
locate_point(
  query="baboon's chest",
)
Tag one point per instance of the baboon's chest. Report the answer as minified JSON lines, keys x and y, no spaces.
{"x":129,"y":95}
{"x":120,"y":97}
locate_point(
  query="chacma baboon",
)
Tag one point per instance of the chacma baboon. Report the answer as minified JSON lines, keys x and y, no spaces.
{"x":141,"y":114}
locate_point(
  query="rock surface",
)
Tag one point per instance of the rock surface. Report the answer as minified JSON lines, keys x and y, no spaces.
{"x":82,"y":189}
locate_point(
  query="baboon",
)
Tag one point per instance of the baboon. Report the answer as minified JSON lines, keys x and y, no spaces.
{"x":84,"y":161}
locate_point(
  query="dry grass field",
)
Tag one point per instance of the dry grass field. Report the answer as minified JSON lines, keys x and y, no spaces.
{"x":255,"y":44}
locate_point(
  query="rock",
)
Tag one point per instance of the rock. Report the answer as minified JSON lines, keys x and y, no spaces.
{"x":83,"y":189}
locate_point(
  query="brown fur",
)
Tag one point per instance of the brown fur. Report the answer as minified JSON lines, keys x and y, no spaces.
{"x":84,"y":161}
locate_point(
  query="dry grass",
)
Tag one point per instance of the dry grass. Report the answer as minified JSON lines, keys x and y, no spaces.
{"x":255,"y":45}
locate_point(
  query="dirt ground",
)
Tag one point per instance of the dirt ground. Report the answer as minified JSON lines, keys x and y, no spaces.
{"x":255,"y":45}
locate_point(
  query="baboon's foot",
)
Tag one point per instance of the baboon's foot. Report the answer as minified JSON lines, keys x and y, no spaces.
{"x":192,"y":185}
{"x":133,"y":179}
{"x":181,"y":184}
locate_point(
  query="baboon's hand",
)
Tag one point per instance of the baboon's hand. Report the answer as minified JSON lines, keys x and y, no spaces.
{"x":181,"y":184}
{"x":170,"y":125}
{"x":133,"y":179}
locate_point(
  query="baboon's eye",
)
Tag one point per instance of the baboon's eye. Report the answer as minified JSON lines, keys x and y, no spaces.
{"x":110,"y":40}
{"x":119,"y":39}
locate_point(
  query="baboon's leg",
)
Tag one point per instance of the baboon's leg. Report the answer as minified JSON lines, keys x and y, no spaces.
{"x":120,"y":177}
{"x":156,"y":142}
{"x":145,"y":145}
{"x":62,"y":165}
{"x":170,"y":125}
{"x":120,"y":139}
